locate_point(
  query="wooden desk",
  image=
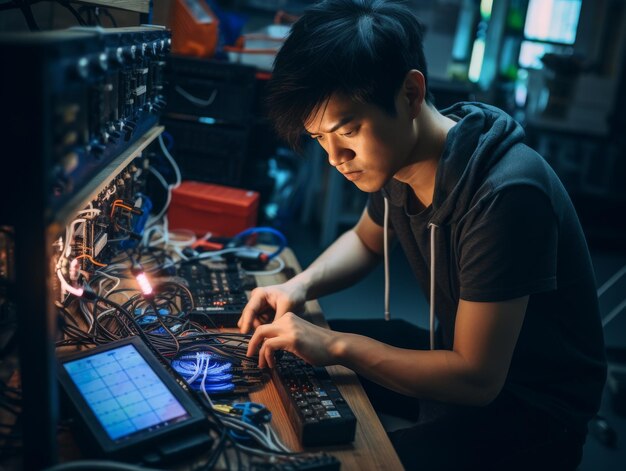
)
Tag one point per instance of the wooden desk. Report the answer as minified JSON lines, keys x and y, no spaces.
{"x":371,"y":448}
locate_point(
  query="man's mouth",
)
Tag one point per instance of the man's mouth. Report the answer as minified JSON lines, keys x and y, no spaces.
{"x":354,"y":175}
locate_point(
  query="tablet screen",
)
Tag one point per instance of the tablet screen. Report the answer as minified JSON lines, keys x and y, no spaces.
{"x":124,"y":393}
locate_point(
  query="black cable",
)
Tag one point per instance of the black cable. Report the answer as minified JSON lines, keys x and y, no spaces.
{"x":167,"y":329}
{"x":100,"y":327}
{"x":149,"y":343}
{"x":96,"y":14}
{"x":206,"y":316}
{"x":221,"y":445}
{"x":177,"y":299}
{"x":109,"y":16}
{"x":132,"y":320}
{"x":107,"y":325}
{"x":111,"y":327}
{"x":24,"y":5}
{"x":83,"y":9}
{"x":226,"y":460}
{"x":67,"y":315}
{"x":66,"y":4}
{"x":76,"y":336}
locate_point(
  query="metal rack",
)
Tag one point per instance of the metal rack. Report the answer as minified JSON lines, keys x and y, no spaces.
{"x":144,"y":7}
{"x":36,"y":312}
{"x":34,"y":223}
{"x":140,"y":6}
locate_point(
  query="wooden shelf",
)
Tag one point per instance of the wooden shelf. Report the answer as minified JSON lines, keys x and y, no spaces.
{"x":141,"y":6}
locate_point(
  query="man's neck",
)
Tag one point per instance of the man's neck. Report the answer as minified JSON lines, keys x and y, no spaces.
{"x":432,"y":131}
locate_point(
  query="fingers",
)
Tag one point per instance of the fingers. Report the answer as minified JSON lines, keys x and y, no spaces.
{"x":267,"y":357}
{"x":267,"y":339}
{"x":256,"y":303}
{"x":257,"y":338}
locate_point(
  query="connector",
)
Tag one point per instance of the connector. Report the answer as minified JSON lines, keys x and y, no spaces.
{"x":89,"y":294}
{"x":252,"y":259}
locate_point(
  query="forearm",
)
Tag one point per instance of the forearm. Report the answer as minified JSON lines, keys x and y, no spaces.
{"x":341,"y":265}
{"x":440,"y":375}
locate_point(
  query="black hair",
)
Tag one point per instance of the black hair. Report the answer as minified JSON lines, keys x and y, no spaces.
{"x":361,"y":49}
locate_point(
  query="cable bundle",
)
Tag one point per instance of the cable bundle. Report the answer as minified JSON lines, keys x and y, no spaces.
{"x":203,"y":371}
{"x":210,"y":362}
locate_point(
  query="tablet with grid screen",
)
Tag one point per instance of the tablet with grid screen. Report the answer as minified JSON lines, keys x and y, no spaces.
{"x":125,"y":396}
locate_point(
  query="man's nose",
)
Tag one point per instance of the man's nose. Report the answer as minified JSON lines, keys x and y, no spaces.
{"x":338,"y":154}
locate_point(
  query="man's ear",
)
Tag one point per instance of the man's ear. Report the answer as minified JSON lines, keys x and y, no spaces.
{"x":414,"y":89}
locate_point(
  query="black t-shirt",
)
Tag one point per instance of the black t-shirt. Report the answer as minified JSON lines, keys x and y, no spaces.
{"x":519,"y":235}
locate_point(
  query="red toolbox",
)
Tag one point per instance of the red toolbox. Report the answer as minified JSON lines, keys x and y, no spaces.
{"x":207,"y":207}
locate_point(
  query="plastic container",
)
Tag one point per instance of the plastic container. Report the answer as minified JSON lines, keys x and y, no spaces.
{"x":259,"y":48}
{"x":207,"y":207}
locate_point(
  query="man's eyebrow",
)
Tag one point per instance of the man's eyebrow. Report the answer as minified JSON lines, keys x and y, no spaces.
{"x":342,"y":122}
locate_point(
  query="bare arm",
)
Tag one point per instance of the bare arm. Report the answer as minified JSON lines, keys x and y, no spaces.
{"x":346,"y":261}
{"x":473,"y":372}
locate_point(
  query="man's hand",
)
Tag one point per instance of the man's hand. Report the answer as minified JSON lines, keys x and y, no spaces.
{"x":271,"y":302}
{"x":292,"y":333}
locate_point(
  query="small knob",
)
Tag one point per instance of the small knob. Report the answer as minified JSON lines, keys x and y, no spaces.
{"x":115,"y":57}
{"x":141,"y":52}
{"x":129,"y":54}
{"x":152,"y":49}
{"x":102,"y":63}
{"x":82,"y":68}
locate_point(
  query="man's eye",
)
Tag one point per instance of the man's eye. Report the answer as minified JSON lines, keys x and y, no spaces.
{"x":318,"y":138}
{"x":350,"y":133}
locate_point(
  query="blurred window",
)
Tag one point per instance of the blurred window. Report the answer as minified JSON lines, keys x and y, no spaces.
{"x":550,"y":26}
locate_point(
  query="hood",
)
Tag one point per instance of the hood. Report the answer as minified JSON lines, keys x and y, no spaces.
{"x":482,"y":135}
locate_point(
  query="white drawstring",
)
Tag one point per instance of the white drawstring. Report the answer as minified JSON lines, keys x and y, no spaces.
{"x":432,"y":227}
{"x":386,"y":251}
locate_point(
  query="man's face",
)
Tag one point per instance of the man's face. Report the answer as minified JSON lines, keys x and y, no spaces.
{"x":363,"y":142}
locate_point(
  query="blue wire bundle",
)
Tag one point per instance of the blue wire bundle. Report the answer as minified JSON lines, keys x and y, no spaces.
{"x":203,"y":371}
{"x":240,"y":238}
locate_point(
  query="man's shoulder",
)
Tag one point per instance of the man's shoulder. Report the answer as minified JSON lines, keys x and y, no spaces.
{"x":524,"y":169}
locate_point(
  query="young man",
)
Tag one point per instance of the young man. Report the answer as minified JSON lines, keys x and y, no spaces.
{"x":516,"y":368}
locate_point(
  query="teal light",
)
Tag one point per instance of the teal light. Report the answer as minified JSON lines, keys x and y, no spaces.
{"x":476,"y":61}
{"x":485,"y":9}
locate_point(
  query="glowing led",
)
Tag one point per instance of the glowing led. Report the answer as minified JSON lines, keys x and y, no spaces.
{"x":144,"y":284}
